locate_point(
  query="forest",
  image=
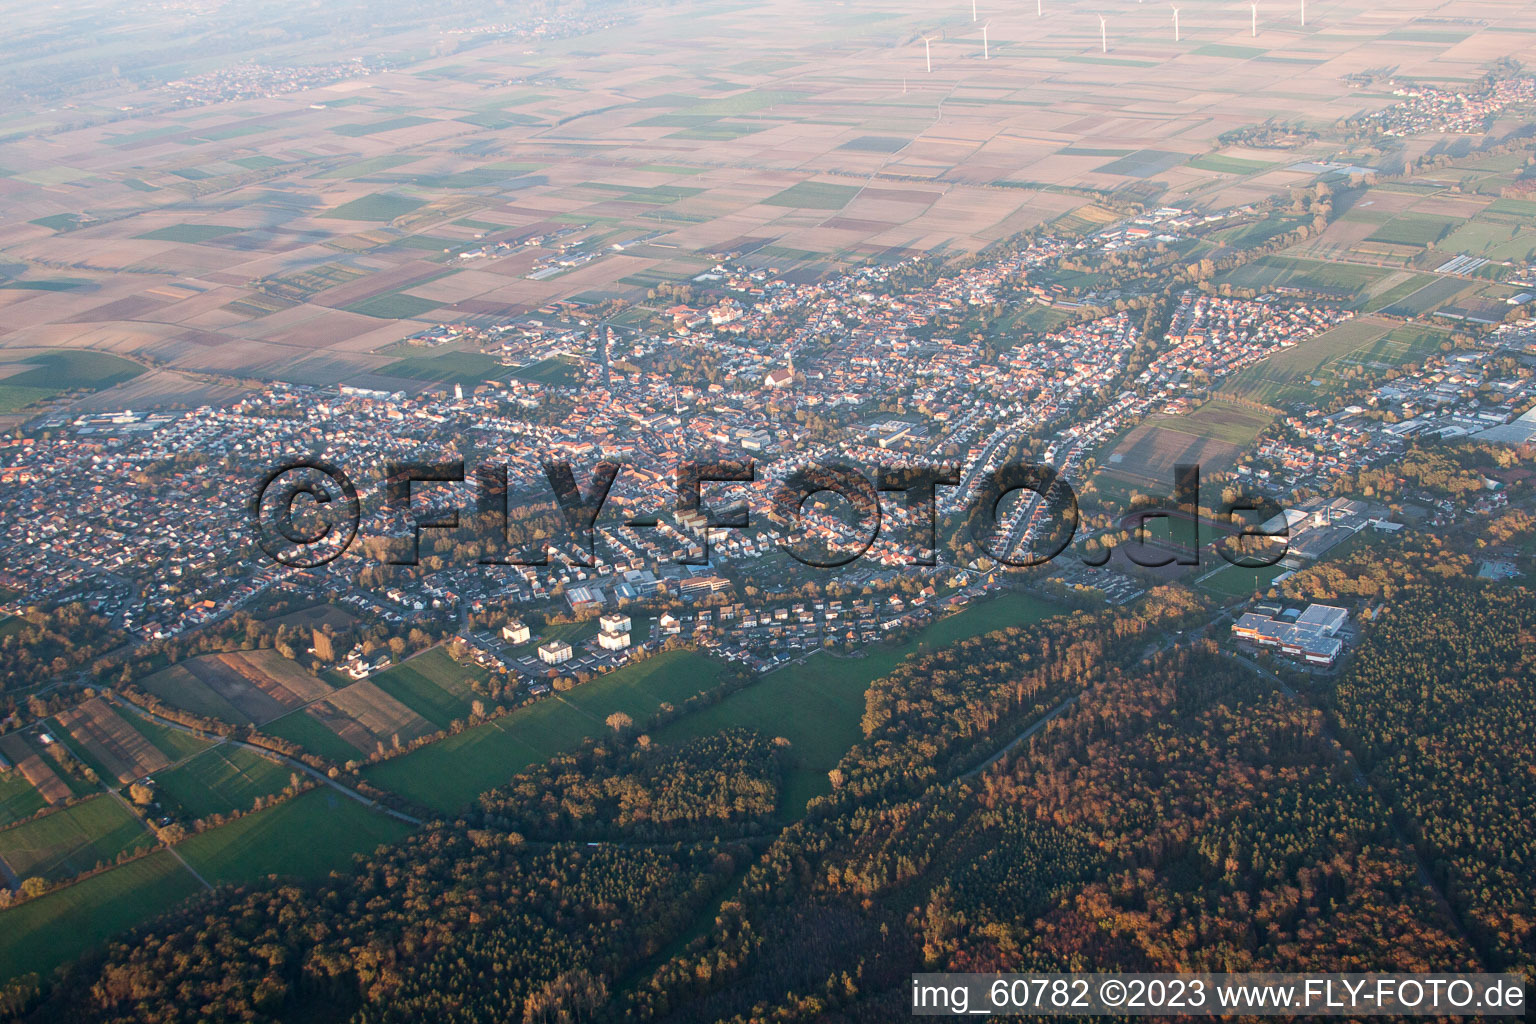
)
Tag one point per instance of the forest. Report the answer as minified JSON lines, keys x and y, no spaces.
{"x":1179,"y":812}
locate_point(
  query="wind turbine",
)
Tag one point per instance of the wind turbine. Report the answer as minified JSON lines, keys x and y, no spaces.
{"x":1103,"y":34}
{"x":1303,"y":13}
{"x":973,"y":12}
{"x":928,"y":53}
{"x":986,"y":50}
{"x":1175,"y":23}
{"x":1039,"y":10}
{"x":1254,"y":29}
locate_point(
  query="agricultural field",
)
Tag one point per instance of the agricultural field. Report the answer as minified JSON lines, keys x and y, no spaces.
{"x":42,"y":375}
{"x":1228,"y":164}
{"x":365,"y":717}
{"x":222,"y":780}
{"x":40,"y":773}
{"x":432,"y":685}
{"x":814,"y":195}
{"x":43,"y":933}
{"x":306,"y":837}
{"x":452,"y":367}
{"x":18,"y":797}
{"x":448,"y":774}
{"x":1287,"y":375}
{"x":240,"y":687}
{"x":1417,"y":229}
{"x":122,"y":747}
{"x":1346,"y":281}
{"x":817,"y":704}
{"x":381,"y":206}
{"x":1211,"y":437}
{"x":313,"y":735}
{"x":188,"y":233}
{"x":1430,"y":297}
{"x":72,"y":840}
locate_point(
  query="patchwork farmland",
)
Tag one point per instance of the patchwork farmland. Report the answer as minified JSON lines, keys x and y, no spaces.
{"x":242,"y":687}
{"x":112,"y":746}
{"x":38,"y":773}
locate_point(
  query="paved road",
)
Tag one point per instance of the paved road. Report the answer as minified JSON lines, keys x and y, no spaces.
{"x":1041,"y":723}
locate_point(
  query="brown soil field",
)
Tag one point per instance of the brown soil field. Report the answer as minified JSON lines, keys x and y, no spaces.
{"x":365,"y":716}
{"x":1149,"y":452}
{"x":113,"y":743}
{"x":37,"y":771}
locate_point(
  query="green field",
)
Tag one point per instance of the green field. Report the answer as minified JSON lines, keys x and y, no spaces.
{"x":308,"y":837}
{"x":1346,"y":280}
{"x":393,"y":306}
{"x":814,"y":195}
{"x":1245,"y":235}
{"x":43,"y":933}
{"x":1409,"y":343}
{"x":1221,"y":421}
{"x":45,"y":284}
{"x":454,"y":367}
{"x":432,"y":685}
{"x":173,"y":743}
{"x":1395,"y":289}
{"x":1229,"y":50}
{"x":1413,"y":229}
{"x":1431,"y":296}
{"x":1285,"y":376}
{"x":450,"y":773}
{"x":17,"y":797}
{"x":175,"y":685}
{"x":299,"y":727}
{"x":187,"y":233}
{"x":65,"y":843}
{"x":363,"y":168}
{"x":379,"y":206}
{"x":1494,"y":236}
{"x":353,"y":131}
{"x":219,"y":781}
{"x":817,"y":704}
{"x":549,"y":371}
{"x":1236,"y":581}
{"x":60,"y":370}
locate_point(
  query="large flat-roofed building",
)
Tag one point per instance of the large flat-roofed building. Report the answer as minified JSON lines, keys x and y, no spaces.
{"x":1311,"y":637}
{"x":1325,"y":618}
{"x":554,"y":652}
{"x":613,"y":639}
{"x":614,"y":623}
{"x":516,"y":632}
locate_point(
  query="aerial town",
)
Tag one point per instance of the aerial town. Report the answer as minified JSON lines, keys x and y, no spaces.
{"x":601,"y":522}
